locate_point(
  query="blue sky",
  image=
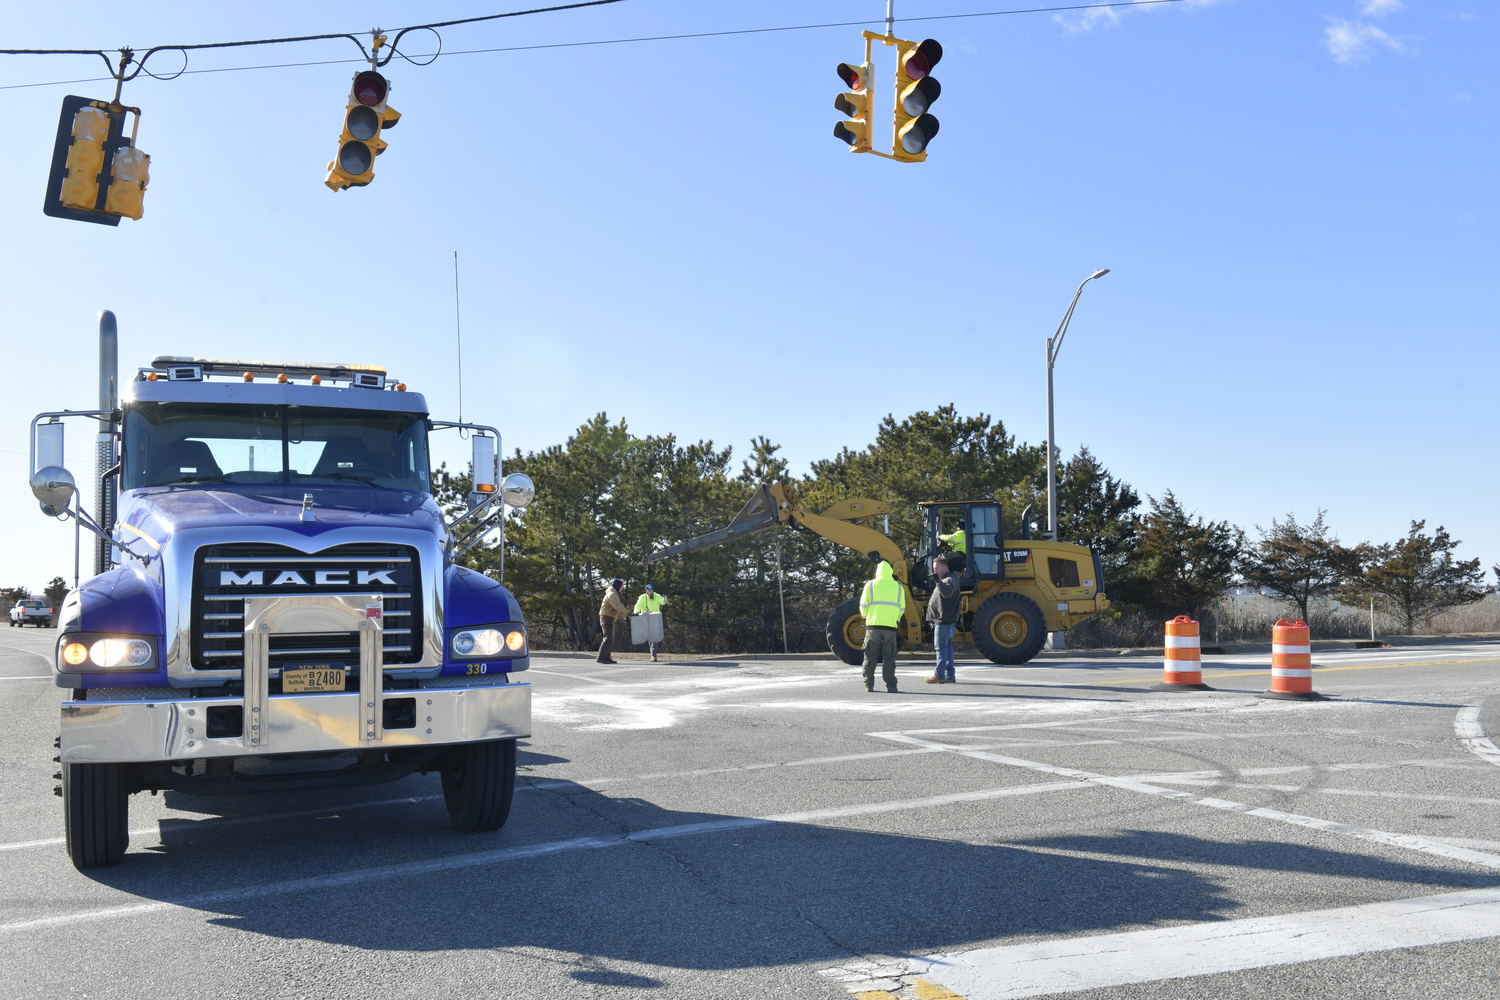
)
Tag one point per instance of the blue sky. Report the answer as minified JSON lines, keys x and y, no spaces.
{"x":1296,"y":200}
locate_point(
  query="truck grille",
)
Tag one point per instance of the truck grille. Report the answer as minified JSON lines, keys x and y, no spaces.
{"x":224,"y":575}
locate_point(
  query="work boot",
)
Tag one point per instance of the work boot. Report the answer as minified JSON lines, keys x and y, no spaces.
{"x":869,"y":687}
{"x":891,"y":689}
{"x":936,"y":680}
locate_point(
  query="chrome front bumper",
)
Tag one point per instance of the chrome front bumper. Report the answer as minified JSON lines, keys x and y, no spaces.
{"x":106,"y":732}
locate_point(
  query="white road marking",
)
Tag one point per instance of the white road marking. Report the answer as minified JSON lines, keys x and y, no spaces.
{"x":1466,"y":728}
{"x":1310,"y":789}
{"x":1099,"y":961}
{"x":39,"y":677}
{"x":23,"y":649}
{"x":576,"y":677}
{"x":1134,"y":784}
{"x":175,"y":823}
{"x":1454,"y":762}
{"x":360,"y":876}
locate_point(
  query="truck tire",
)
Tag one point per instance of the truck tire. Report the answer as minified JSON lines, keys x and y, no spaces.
{"x":846,"y":633}
{"x":1009,"y":629}
{"x":478,"y":783}
{"x":96,"y":811}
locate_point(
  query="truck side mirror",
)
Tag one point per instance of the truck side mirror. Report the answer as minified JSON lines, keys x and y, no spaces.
{"x":483,"y":470}
{"x":517,"y":491}
{"x":54,"y":487}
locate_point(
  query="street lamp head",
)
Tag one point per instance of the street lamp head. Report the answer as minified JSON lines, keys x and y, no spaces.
{"x":1099,"y":273}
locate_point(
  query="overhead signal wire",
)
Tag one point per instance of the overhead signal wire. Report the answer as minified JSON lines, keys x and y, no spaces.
{"x":549,"y":45}
{"x":127,"y":55}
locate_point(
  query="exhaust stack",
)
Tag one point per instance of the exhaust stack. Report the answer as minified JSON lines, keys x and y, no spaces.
{"x":106,"y":494}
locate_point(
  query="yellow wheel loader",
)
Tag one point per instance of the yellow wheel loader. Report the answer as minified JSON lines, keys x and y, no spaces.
{"x":1014,"y":591}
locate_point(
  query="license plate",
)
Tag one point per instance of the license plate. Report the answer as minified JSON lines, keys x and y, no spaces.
{"x":312,"y":678}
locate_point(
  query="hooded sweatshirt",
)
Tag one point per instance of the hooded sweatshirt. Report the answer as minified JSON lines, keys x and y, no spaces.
{"x":884,"y":599}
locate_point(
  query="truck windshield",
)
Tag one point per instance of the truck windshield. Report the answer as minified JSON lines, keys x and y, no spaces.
{"x":186,"y":443}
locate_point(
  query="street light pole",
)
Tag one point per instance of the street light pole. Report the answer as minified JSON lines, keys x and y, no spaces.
{"x":1054,"y":344}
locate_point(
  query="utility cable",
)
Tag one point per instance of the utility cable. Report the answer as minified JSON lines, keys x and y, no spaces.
{"x":569,"y":45}
{"x":127,"y":55}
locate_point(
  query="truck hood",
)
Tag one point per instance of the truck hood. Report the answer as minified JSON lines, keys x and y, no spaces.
{"x":158,"y":512}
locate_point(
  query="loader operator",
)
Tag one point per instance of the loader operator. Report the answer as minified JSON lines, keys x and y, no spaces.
{"x":958,"y":541}
{"x":882,"y":604}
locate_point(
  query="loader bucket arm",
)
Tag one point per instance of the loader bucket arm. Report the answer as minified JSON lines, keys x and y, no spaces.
{"x":763,"y":512}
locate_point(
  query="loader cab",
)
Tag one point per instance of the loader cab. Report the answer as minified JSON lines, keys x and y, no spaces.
{"x":973,"y":527}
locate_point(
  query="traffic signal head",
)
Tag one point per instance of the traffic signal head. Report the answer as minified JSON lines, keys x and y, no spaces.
{"x":916,"y":91}
{"x":856,"y":105}
{"x":366,"y":116}
{"x":98,"y":174}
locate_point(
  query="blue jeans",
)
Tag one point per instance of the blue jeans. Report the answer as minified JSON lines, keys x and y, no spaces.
{"x":944,"y":635}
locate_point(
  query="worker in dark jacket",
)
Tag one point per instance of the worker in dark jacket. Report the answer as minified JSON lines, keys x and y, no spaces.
{"x":611,"y":609}
{"x":942,"y":611}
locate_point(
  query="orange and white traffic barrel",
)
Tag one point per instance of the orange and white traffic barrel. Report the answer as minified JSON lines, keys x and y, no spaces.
{"x":1291,"y":661}
{"x":1182,"y":667}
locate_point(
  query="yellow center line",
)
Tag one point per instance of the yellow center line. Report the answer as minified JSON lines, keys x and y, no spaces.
{"x":1316,"y":670}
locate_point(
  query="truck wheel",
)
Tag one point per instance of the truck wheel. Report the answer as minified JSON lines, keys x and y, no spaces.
{"x":96,"y":812}
{"x":1009,"y":629}
{"x":478,"y":782}
{"x":846,"y":633}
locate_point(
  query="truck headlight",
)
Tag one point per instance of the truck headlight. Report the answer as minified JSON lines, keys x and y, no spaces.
{"x":476,"y":642}
{"x":488,"y":640}
{"x":88,"y":651}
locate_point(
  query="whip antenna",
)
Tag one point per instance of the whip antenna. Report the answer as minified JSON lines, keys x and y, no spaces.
{"x":458,"y":333}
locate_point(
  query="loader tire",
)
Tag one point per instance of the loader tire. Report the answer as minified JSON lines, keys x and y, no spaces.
{"x":96,"y":810}
{"x":1009,"y":629}
{"x":846,"y":633}
{"x":479,"y":780}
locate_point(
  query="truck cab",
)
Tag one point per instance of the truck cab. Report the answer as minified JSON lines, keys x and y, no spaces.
{"x":283,"y":584}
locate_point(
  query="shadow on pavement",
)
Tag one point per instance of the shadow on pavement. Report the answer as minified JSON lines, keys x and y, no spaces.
{"x":751,"y":896}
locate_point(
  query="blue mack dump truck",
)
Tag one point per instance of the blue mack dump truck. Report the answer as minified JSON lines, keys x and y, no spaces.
{"x":278,"y":607}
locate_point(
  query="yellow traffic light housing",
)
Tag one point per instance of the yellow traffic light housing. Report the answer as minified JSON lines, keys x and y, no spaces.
{"x":916,"y":90}
{"x":856,"y":104}
{"x":98,"y":175}
{"x":366,"y":117}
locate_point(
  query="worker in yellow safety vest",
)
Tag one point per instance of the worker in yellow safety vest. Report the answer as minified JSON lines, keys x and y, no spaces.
{"x":882,"y":603}
{"x":958,"y":541}
{"x":650,"y":603}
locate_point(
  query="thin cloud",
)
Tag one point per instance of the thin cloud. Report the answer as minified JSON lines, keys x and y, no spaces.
{"x":1076,"y":22}
{"x":1354,"y":41}
{"x":1380,"y":8}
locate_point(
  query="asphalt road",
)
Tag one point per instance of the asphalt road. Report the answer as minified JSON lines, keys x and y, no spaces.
{"x":768,"y":829}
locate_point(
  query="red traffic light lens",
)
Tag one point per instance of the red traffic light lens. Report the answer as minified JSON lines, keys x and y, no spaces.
{"x":355,"y":158}
{"x":363,"y":123}
{"x":850,"y":76}
{"x":370,"y":89}
{"x":920,"y":60}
